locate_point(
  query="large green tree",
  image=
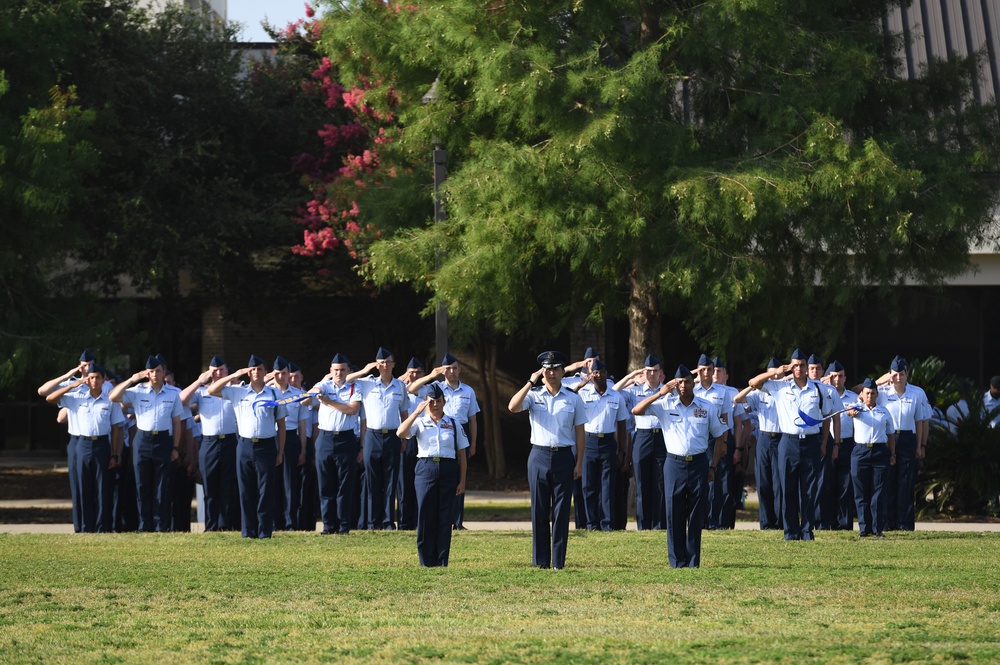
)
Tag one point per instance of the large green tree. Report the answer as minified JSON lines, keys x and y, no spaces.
{"x":746,"y":166}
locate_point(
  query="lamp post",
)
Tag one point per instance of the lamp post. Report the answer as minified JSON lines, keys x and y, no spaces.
{"x":440,"y":155}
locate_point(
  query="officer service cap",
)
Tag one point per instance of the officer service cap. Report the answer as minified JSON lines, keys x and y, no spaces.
{"x":87,"y":356}
{"x":590,"y":353}
{"x":798,"y":355}
{"x":551,"y":359}
{"x":434,"y":391}
{"x":773,"y":363}
{"x":718,"y":362}
{"x":415,"y":363}
{"x":651,"y":361}
{"x":898,"y":364}
{"x":814,"y":359}
{"x":682,"y":372}
{"x":704,"y":360}
{"x":216,"y":361}
{"x":280,"y":364}
{"x":448,"y":359}
{"x":340,"y":359}
{"x":153,"y":362}
{"x":835,"y":366}
{"x":870,"y":384}
{"x":383,"y":353}
{"x":597,"y":365}
{"x":255,"y":361}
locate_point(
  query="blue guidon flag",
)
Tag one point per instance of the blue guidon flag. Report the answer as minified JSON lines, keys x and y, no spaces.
{"x":279,"y":402}
{"x":809,"y":421}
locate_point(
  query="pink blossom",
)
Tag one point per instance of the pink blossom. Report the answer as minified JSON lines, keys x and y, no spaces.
{"x":310,"y":12}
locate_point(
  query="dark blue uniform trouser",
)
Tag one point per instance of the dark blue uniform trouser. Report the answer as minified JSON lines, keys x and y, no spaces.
{"x":825,"y":511}
{"x":336,"y":473}
{"x":381,"y":467}
{"x":292,"y":479}
{"x":255,"y":473}
{"x":93,"y":483}
{"x":768,"y":480}
{"x":600,"y":473}
{"x":217,"y":460}
{"x":434,"y":485}
{"x":126,"y":510}
{"x":405,"y":492}
{"x":73,"y":475}
{"x":151,"y":460}
{"x":550,"y":482}
{"x":843,"y":487}
{"x":869,"y":469}
{"x":901,"y":484}
{"x":721,"y":501}
{"x":458,"y":518}
{"x":181,"y":492}
{"x":798,"y":464}
{"x":648,"y":453}
{"x":309,"y":498}
{"x":685,"y":480}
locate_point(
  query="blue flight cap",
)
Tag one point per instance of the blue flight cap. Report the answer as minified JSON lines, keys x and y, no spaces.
{"x":773,"y":363}
{"x":995,"y":382}
{"x":651,"y":361}
{"x":415,"y":363}
{"x":798,"y":355}
{"x":835,"y":366}
{"x":870,"y":384}
{"x":153,"y":362}
{"x":550,"y":359}
{"x":87,"y":356}
{"x":434,"y":391}
{"x":448,"y":360}
{"x":597,"y":365}
{"x":383,"y":353}
{"x":682,"y":372}
{"x":718,"y":362}
{"x":898,"y":364}
{"x":280,"y":364}
{"x":353,"y":367}
{"x":255,"y":361}
{"x":216,"y":361}
{"x":293,"y":368}
{"x":814,"y":360}
{"x":340,"y":359}
{"x":93,"y":367}
{"x":703,"y":360}
{"x":590,"y":353}
{"x":162,"y":359}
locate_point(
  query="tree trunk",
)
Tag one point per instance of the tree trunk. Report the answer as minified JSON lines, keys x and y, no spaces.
{"x":490,"y":405}
{"x":644,"y":320}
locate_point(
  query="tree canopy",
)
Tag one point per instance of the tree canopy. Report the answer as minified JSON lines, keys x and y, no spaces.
{"x":742,"y":165}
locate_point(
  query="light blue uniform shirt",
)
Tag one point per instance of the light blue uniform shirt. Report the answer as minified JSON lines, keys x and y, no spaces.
{"x":873,"y":425}
{"x":846,"y":422}
{"x":906,"y":409}
{"x":640,"y":392}
{"x":217,"y":416}
{"x":385,"y":405}
{"x":332,"y":420}
{"x":154,"y":411}
{"x":94,"y":416}
{"x":687,"y":430}
{"x":789,"y":398}
{"x":762,"y":404}
{"x":990,"y":403}
{"x":721,"y":397}
{"x":440,"y":439}
{"x":460,"y":403}
{"x":554,"y":417}
{"x":294,"y":409}
{"x":254,"y":422}
{"x":604,"y":412}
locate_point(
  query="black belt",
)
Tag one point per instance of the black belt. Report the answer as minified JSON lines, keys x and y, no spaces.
{"x":905,"y":431}
{"x":870,"y":445}
{"x":95,"y":438}
{"x":551,"y":448}
{"x":437,"y":460}
{"x":654,"y":430}
{"x":686,"y":458}
{"x":258,"y":439}
{"x":601,"y":436}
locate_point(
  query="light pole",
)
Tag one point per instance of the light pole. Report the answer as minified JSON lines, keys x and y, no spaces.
{"x":440,"y":155}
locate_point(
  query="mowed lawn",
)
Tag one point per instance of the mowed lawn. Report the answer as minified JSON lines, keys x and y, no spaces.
{"x":146,"y":598}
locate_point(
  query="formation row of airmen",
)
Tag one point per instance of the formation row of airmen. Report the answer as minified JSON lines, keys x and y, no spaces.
{"x":374,"y":452}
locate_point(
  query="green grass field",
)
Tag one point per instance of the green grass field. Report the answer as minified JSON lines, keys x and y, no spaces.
{"x":925,"y":597}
